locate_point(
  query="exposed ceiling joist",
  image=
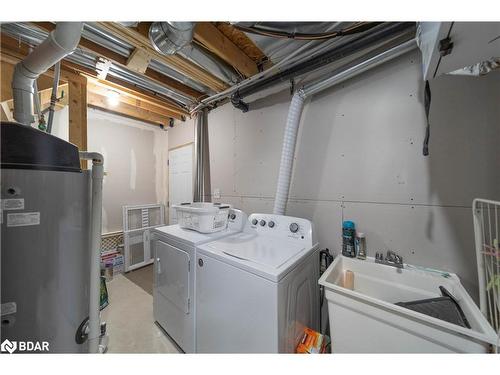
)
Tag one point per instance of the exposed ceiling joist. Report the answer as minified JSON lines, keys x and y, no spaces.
{"x":180,"y":64}
{"x":102,"y":90}
{"x":211,"y":38}
{"x":122,"y":60}
{"x":101,"y":102}
{"x":13,"y":52}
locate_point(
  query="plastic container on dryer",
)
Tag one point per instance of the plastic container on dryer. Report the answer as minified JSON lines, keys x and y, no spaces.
{"x":203,"y":217}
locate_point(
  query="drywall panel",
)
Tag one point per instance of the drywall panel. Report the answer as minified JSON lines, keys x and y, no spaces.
{"x":258,"y":139}
{"x":326,"y":217}
{"x":181,"y":134}
{"x":135,"y":161}
{"x":431,"y":236}
{"x":362,"y":141}
{"x":221,"y":134}
{"x":135,"y":157}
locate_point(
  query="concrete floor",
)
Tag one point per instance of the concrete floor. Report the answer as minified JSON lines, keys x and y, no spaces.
{"x":130,"y":324}
{"x":142,"y":277}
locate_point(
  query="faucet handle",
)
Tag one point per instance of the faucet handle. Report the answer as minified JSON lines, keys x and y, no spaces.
{"x":399,"y":259}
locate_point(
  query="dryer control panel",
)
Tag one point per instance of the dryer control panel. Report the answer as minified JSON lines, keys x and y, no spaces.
{"x":289,"y":227}
{"x":237,"y":219}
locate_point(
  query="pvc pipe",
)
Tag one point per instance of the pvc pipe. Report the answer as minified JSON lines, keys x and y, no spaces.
{"x":95,"y":254}
{"x":295,"y":112}
{"x":61,"y":41}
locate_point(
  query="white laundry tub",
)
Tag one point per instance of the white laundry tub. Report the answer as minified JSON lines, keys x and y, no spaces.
{"x":366,"y":319}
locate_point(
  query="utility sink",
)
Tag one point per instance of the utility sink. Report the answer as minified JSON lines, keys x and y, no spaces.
{"x":367,"y":319}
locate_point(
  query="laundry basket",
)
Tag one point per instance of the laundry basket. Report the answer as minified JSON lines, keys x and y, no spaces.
{"x":203,"y":217}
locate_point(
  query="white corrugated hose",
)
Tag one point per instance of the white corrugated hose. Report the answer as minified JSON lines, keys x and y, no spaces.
{"x":288,"y":152}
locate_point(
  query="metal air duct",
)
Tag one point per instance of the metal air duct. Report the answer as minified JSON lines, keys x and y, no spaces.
{"x":170,"y":37}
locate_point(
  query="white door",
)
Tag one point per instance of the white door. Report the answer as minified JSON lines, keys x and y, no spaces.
{"x":180,"y":178}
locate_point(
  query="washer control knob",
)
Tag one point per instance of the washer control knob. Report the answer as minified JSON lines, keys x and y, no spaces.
{"x":271,"y":224}
{"x":232,"y":216}
{"x":255,"y":221}
{"x":294,"y":227}
{"x":262,"y":223}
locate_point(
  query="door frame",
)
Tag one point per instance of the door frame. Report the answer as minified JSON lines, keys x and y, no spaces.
{"x":169,"y":201}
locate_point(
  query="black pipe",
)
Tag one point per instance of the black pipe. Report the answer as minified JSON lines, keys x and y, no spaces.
{"x":345,"y":49}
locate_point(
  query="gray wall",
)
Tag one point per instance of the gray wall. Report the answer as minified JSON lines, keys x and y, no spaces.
{"x":135,"y":155}
{"x":359,"y":157}
{"x":135,"y":161}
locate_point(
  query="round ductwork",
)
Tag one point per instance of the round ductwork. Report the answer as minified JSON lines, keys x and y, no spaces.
{"x":129,"y":23}
{"x":170,"y":37}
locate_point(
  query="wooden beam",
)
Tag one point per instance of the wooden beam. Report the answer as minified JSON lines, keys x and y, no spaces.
{"x":13,"y":52}
{"x":243,"y":42}
{"x":78,"y":116}
{"x":122,"y":60}
{"x":124,"y":98}
{"x":138,"y":60}
{"x":101,"y":102}
{"x":130,"y":89}
{"x":177,"y":112}
{"x":211,"y":38}
{"x":178,"y":63}
{"x":47,"y":93}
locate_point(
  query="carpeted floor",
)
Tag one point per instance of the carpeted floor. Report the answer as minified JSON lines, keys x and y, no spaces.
{"x":142,"y":277}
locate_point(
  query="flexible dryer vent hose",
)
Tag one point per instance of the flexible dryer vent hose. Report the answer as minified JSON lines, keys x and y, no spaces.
{"x":288,"y":152}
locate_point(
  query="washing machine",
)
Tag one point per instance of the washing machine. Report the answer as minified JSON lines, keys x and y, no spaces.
{"x":174,"y":276}
{"x":257,"y":290}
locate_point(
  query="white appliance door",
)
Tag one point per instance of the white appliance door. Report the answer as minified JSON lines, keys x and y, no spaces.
{"x":172,"y":275}
{"x":236,"y":311}
{"x":180,"y":178}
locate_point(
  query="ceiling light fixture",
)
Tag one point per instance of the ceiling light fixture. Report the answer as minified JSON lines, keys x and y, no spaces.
{"x":113,"y":97}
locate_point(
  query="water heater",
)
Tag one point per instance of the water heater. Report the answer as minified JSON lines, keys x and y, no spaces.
{"x":45,"y":243}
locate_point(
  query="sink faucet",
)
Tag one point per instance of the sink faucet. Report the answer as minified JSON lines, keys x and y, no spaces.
{"x":391,"y":259}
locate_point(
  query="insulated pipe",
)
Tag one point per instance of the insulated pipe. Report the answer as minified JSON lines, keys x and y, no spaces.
{"x":61,"y":41}
{"x":94,"y":324}
{"x":295,"y":112}
{"x":289,"y":67}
